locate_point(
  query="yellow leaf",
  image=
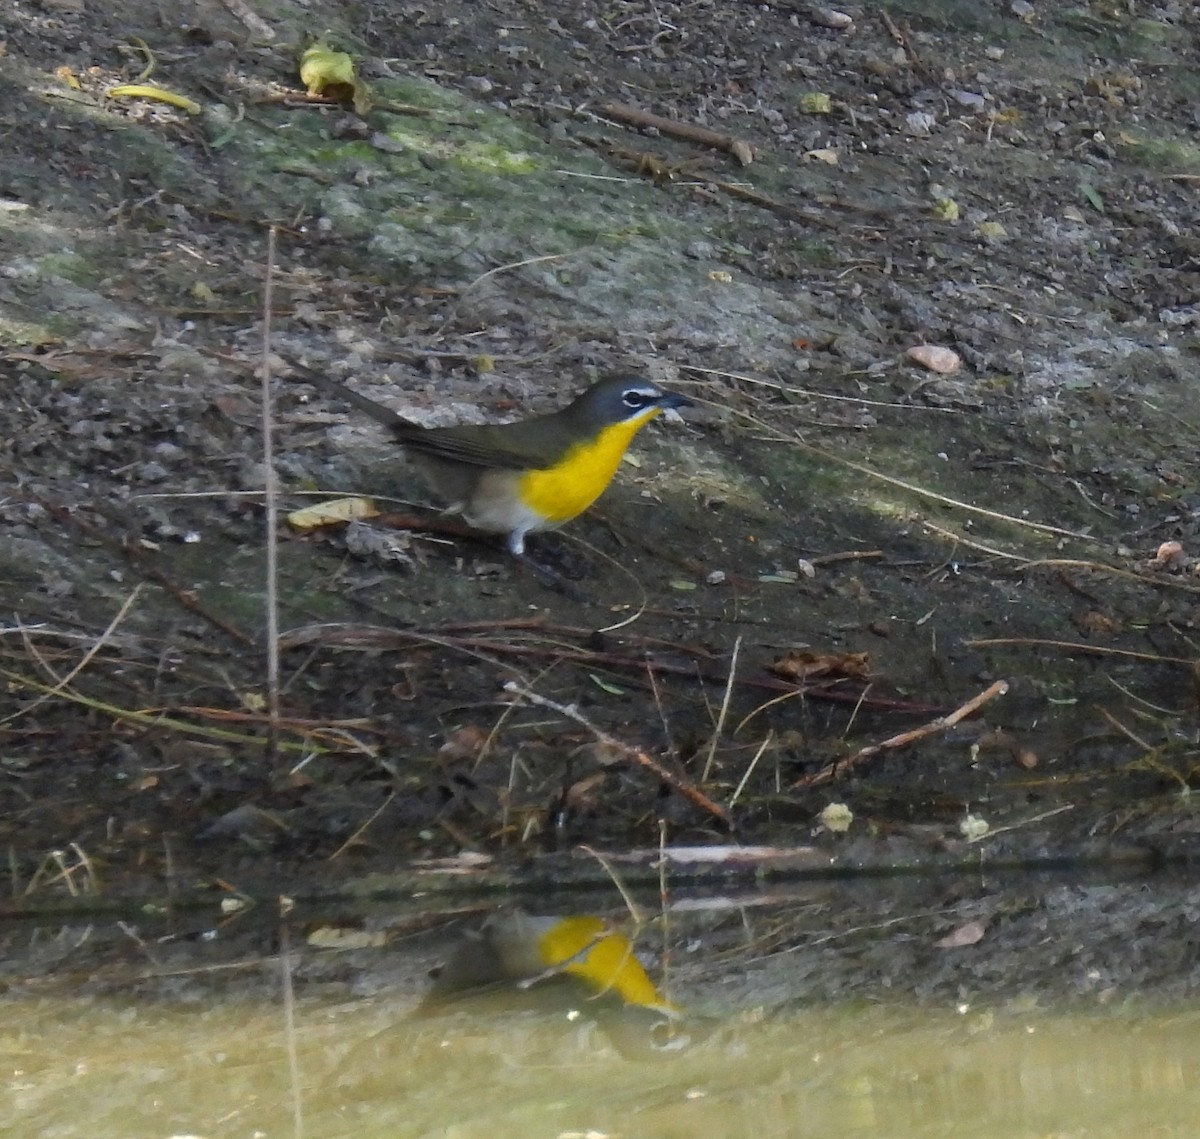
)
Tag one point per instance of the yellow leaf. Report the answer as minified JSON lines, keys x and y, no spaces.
{"x":321,"y":67}
{"x":335,"y":510}
{"x":945,"y":209}
{"x":159,"y":94}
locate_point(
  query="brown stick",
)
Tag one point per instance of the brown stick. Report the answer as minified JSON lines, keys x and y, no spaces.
{"x":905,"y":41}
{"x":836,"y":770}
{"x":371,"y":636}
{"x":675,"y":782}
{"x":1076,"y":647}
{"x":689,"y":132}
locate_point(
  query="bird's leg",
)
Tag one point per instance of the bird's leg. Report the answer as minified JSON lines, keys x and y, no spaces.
{"x":547,"y":575}
{"x":552,"y":579}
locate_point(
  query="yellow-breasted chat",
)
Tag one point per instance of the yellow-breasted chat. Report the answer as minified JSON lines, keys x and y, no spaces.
{"x":531,"y":475}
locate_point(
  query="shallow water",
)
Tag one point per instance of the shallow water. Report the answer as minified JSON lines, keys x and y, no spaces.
{"x":114,"y":1069}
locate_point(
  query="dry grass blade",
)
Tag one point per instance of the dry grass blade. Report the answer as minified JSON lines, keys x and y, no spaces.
{"x":750,"y":769}
{"x":1075,"y":647}
{"x":635,"y":911}
{"x":60,"y":686}
{"x":149,"y":719}
{"x":289,"y":1017}
{"x":833,"y":397}
{"x":272,"y":504}
{"x":720,"y":725}
{"x":839,"y":768}
{"x":688,"y":790}
{"x":774,"y":435}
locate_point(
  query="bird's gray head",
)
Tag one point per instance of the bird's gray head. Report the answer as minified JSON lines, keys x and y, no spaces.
{"x":622,"y":399}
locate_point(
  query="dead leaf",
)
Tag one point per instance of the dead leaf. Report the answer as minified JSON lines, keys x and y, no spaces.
{"x":970,"y":934}
{"x":581,"y":795}
{"x":1096,"y":624}
{"x":801,"y":664}
{"x":345,"y":937}
{"x":333,"y":511}
{"x":465,"y":743}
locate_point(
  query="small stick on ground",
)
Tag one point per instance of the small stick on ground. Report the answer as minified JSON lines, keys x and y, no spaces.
{"x":689,"y":132}
{"x":636,"y":913}
{"x":61,"y":682}
{"x":271,"y":585}
{"x":905,"y":41}
{"x":846,"y":556}
{"x":289,"y":1017}
{"x":690,"y":792}
{"x":720,"y":725}
{"x":836,"y":770}
{"x":1075,"y":647}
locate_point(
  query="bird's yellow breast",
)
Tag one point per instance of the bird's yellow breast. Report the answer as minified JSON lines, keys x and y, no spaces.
{"x":559,"y":493}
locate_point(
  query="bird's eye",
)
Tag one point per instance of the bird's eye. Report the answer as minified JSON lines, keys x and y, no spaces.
{"x":635,"y":398}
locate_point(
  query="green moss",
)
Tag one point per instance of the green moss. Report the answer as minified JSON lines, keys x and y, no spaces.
{"x":1178,"y":155}
{"x":24,"y":334}
{"x":69,"y":266}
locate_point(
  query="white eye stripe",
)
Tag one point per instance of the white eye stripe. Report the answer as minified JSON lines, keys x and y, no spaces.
{"x":638,"y":397}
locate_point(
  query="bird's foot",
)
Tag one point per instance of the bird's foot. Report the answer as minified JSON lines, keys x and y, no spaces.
{"x":552,"y":579}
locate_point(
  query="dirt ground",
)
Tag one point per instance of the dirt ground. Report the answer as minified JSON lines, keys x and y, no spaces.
{"x":487,"y":237}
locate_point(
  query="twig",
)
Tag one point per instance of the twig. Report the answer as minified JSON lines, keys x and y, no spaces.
{"x":632,"y":116}
{"x":720,"y":726}
{"x":846,"y":556}
{"x":346,"y":635}
{"x":1113,"y":571}
{"x":147,"y":719}
{"x":1128,"y":733}
{"x":289,"y":1017}
{"x":810,"y":393}
{"x":363,"y":829}
{"x":662,"y":712}
{"x":664,"y":906}
{"x":839,"y":768}
{"x":511,"y":265}
{"x":1024,"y":822}
{"x":903,"y":39}
{"x":636,"y":913}
{"x":978,"y":547}
{"x":676,"y":783}
{"x":272,"y":504}
{"x":766,"y":202}
{"x":773,"y":434}
{"x":946,"y":500}
{"x":737,"y":792}
{"x":62,"y":682}
{"x":1075,"y":647}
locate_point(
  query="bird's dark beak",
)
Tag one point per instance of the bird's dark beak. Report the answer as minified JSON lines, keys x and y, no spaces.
{"x":668,"y":401}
